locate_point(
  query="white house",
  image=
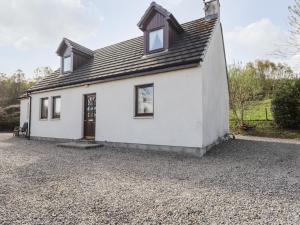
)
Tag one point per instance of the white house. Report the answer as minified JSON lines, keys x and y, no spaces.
{"x":167,"y":89}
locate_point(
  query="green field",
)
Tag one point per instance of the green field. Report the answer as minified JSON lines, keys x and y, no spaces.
{"x":256,"y":111}
{"x":262,"y":122}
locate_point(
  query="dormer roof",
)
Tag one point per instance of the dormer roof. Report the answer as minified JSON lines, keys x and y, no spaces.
{"x":76,"y":48}
{"x":154,"y":7}
{"x":126,"y":59}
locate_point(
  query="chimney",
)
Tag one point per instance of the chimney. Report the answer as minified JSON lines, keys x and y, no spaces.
{"x":211,"y":8}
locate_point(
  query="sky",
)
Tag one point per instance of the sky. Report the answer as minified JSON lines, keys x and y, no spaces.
{"x":31,"y":30}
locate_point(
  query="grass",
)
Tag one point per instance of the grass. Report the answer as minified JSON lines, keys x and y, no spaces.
{"x":256,"y":111}
{"x":263,"y":125}
{"x":265,"y":129}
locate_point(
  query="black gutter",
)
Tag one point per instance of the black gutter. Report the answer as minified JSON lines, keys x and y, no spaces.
{"x":29,"y":122}
{"x":116,"y":76}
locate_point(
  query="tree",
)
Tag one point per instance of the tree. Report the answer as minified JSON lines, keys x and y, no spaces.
{"x":11,"y":87}
{"x":245,"y":86}
{"x":294,"y":21}
{"x":291,"y":46}
{"x":3,"y":78}
{"x":271,"y":75}
{"x":41,"y":72}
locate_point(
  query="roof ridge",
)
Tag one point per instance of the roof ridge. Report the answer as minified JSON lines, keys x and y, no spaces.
{"x":122,"y":42}
{"x":72,"y":43}
{"x":126,"y":58}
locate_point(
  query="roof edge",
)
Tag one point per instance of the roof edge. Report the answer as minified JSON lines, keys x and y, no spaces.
{"x":178,"y":66}
{"x":169,"y":16}
{"x":23,"y":96}
{"x":84,"y":50}
{"x":210,"y":39}
{"x":141,"y":36}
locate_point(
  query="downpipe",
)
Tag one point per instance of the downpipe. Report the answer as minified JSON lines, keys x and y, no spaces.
{"x":29,"y":119}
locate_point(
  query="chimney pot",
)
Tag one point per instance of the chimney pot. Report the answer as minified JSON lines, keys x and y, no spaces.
{"x":212,"y":8}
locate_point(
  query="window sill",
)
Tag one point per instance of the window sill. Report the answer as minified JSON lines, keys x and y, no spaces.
{"x":55,"y":119}
{"x":43,"y":119}
{"x":151,"y":54}
{"x":143,"y":117}
{"x":158,"y":50}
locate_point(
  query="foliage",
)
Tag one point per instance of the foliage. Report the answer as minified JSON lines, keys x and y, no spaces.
{"x":255,"y":118}
{"x":41,"y":72}
{"x":257,"y":111}
{"x":8,"y":125}
{"x":272,"y":75}
{"x":291,"y":45}
{"x":256,"y":81}
{"x":9,"y":117}
{"x":294,"y":20}
{"x":286,"y":105}
{"x":266,"y":129}
{"x":12,"y":87}
{"x":245,"y":86}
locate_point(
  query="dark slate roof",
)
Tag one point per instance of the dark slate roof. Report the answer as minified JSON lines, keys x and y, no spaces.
{"x":127,"y":58}
{"x":77,"y":47}
{"x":23,"y":96}
{"x":169,"y":16}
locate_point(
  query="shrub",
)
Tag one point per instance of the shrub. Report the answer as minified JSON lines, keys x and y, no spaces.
{"x":8,"y":125}
{"x":9,"y":117}
{"x":286,"y":106}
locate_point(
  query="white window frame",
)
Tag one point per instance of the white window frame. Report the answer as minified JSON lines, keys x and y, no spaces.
{"x":64,"y":69}
{"x":149,"y":40}
{"x":41,"y":108}
{"x":53,"y":106}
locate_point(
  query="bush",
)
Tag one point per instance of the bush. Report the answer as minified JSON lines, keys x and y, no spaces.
{"x":286,"y":106}
{"x":9,"y":117}
{"x":8,"y":125}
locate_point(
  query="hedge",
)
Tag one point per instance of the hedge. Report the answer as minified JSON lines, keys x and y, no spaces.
{"x":8,"y":125}
{"x":286,"y":106}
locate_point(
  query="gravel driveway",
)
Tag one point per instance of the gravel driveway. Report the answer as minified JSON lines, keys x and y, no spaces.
{"x":239,"y":182}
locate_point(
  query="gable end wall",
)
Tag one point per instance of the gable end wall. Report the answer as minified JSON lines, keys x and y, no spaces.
{"x":215,"y":90}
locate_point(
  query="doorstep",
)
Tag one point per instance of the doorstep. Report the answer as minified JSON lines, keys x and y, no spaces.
{"x":80,"y":145}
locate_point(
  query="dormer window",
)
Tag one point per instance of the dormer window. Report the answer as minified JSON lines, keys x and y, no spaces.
{"x":160,"y":28}
{"x":72,"y":56}
{"x":67,"y":64}
{"x":156,"y":40}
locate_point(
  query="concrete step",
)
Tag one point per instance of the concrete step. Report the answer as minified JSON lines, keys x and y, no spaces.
{"x":80,"y":145}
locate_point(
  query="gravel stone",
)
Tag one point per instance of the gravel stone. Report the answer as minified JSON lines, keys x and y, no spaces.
{"x":238,"y":182}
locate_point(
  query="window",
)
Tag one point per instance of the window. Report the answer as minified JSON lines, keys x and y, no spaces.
{"x":56,"y":106}
{"x":156,"y":40}
{"x":67,"y":64}
{"x":144,"y":98}
{"x":44,"y":108}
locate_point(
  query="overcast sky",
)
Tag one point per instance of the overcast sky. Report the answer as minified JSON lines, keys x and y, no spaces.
{"x":31,"y":30}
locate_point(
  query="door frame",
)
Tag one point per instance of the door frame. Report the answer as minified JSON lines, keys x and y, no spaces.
{"x":83,"y":117}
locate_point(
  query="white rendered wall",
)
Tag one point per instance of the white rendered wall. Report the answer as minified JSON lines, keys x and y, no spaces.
{"x":215,"y":90}
{"x":191,"y":107}
{"x":24,"y":111}
{"x":177,"y":111}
